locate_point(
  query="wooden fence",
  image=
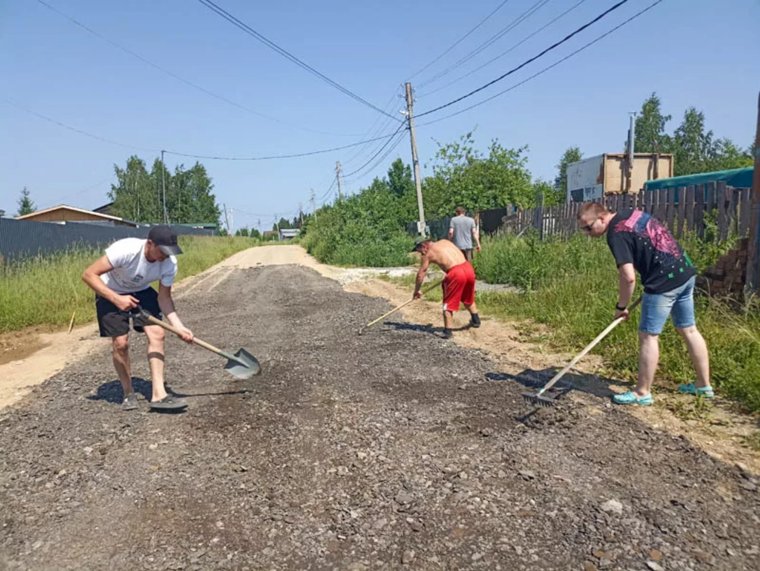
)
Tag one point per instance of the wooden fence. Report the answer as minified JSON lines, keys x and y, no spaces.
{"x":685,"y":209}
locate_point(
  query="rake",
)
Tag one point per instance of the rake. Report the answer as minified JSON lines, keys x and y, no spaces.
{"x":545,"y":401}
{"x":395,"y":309}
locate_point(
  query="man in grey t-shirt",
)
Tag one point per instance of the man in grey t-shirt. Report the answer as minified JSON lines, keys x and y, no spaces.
{"x":462,"y":231}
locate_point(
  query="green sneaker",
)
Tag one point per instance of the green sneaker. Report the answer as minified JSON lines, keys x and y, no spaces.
{"x":632,"y":398}
{"x":692,"y":389}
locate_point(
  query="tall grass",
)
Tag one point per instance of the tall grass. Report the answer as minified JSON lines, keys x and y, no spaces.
{"x":570,"y":287}
{"x":48,"y":290}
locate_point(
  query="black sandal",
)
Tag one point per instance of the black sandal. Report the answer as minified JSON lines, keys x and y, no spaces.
{"x":169,"y":402}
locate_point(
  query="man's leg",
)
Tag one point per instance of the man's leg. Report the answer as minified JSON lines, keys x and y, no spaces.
{"x":120,"y":355}
{"x":448,"y":319}
{"x":700,"y":358}
{"x":649,"y":356}
{"x":156,"y":337}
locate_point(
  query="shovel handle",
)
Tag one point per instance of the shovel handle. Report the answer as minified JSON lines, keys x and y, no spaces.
{"x":395,"y":309}
{"x":148,"y":317}
{"x":588,"y":348}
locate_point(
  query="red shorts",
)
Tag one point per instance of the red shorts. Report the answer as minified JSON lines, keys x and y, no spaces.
{"x":459,"y":287}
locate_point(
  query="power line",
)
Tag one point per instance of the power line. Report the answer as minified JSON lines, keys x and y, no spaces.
{"x":74,"y":129}
{"x":286,"y":54}
{"x":460,"y":40}
{"x":502,"y":54}
{"x":547,"y":68}
{"x":285,"y":156}
{"x":174,"y":75}
{"x":526,"y":62}
{"x":400,"y":127}
{"x":195,"y":156}
{"x":500,"y":34}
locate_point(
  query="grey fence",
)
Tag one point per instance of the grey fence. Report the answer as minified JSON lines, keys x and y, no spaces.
{"x":21,"y":238}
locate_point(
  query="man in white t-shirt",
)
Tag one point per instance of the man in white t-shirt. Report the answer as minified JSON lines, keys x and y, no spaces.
{"x":121,"y":280}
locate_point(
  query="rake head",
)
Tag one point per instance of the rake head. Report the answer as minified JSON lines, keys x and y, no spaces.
{"x":538,"y":399}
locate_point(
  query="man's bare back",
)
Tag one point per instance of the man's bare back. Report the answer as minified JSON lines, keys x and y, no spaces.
{"x":445,"y":255}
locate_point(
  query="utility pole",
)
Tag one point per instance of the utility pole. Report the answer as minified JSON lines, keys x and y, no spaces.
{"x":337,"y":175}
{"x":313,"y":201}
{"x":163,"y":186}
{"x":226,"y":219}
{"x":300,"y":213}
{"x":631,"y":138}
{"x":421,"y":230}
{"x":753,"y":257}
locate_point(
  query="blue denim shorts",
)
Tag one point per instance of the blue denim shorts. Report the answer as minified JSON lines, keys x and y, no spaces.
{"x":678,"y":303}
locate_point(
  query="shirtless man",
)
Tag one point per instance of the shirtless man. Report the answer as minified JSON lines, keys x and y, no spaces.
{"x":458,"y":285}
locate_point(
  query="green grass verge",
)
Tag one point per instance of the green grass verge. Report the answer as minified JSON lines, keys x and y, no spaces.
{"x":570,"y":288}
{"x":48,"y":290}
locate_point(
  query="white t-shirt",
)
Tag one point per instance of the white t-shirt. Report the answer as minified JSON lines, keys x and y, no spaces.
{"x":132,"y":271}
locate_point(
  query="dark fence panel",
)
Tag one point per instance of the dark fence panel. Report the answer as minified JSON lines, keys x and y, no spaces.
{"x":22,"y":238}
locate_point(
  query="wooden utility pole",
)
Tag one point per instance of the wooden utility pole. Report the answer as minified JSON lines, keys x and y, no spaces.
{"x":753,"y":259}
{"x":163,"y":186}
{"x":340,"y":183}
{"x":421,"y":229}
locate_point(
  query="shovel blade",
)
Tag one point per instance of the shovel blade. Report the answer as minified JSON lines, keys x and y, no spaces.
{"x":243,"y":366}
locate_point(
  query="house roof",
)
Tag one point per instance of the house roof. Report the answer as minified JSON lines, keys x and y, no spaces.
{"x":73,"y":209}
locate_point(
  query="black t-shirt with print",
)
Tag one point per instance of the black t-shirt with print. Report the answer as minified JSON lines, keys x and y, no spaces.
{"x":637,"y":238}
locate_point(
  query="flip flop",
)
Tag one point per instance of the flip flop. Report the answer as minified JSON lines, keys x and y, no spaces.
{"x":169,"y":402}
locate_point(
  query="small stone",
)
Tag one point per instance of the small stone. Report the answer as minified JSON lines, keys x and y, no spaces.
{"x":527,"y":474}
{"x":588,"y":566}
{"x":654,"y":566}
{"x":476,"y":556}
{"x":612,"y":506}
{"x":655,"y":555}
{"x":404,"y":497}
{"x":407,"y":556}
{"x":486,"y":432}
{"x":463,"y":475}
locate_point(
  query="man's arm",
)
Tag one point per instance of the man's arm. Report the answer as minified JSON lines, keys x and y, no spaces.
{"x":421,"y":273}
{"x":166,"y":303}
{"x":451,"y":232}
{"x":476,"y":236}
{"x":91,"y":276}
{"x":626,"y":286}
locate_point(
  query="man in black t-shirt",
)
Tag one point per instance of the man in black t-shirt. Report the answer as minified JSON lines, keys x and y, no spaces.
{"x":641,"y":243}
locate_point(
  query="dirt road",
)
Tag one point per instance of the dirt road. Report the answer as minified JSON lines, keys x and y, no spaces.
{"x":388,"y":450}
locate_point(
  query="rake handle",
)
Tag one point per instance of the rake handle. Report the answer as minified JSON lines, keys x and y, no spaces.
{"x":588,"y":348}
{"x":148,"y":317}
{"x":395,"y":309}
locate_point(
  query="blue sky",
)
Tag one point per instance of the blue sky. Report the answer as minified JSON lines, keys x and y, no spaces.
{"x":700,"y":53}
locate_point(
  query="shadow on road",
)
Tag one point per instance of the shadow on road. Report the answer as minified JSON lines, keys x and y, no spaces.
{"x":111,"y":391}
{"x":437,"y":331}
{"x":535,"y":379}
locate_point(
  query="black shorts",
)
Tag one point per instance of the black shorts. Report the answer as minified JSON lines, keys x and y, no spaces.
{"x":113,"y":322}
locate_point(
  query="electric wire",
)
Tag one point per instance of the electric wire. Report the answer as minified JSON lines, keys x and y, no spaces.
{"x":502,"y":54}
{"x":400,"y":127}
{"x":180,"y":78}
{"x":286,"y":54}
{"x":526,"y":62}
{"x":460,"y":40}
{"x":500,"y":34}
{"x":544,"y":70}
{"x":198,"y":156}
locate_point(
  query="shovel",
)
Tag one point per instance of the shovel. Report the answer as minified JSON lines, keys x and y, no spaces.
{"x":539,"y":398}
{"x":395,"y":309}
{"x":242,"y":365}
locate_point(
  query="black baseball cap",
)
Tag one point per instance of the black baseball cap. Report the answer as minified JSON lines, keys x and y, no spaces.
{"x":419,"y":242}
{"x":166,"y":240}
